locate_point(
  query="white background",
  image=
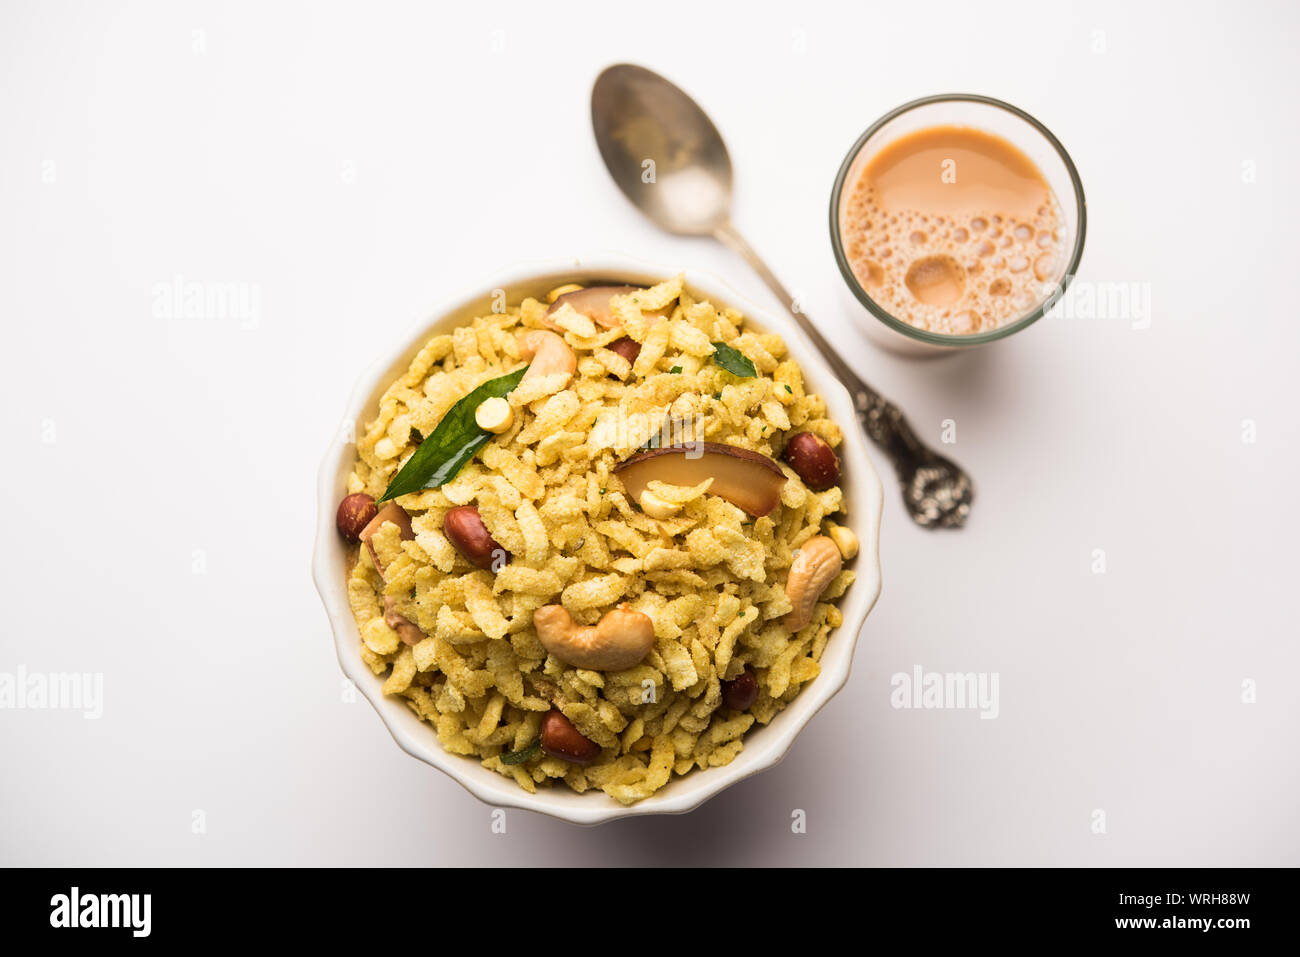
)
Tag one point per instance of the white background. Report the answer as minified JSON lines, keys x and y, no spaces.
{"x":356,"y":164}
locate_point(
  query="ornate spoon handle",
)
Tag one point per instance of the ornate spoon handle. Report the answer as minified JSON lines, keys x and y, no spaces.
{"x":936,"y":491}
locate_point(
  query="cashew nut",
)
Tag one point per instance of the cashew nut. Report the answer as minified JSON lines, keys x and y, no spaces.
{"x":815,"y":565}
{"x":619,"y":641}
{"x":656,"y":506}
{"x":406,"y":629}
{"x":846,"y":541}
{"x":549,"y":355}
{"x":392,"y":512}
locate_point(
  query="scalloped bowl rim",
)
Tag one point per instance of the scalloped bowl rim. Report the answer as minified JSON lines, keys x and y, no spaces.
{"x":764,"y":746}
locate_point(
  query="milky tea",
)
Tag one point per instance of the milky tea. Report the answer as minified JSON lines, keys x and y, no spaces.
{"x":953,"y":230}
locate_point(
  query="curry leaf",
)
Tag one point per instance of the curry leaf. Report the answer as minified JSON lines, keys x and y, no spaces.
{"x":522,"y":755}
{"x":733,"y":360}
{"x":453,"y":443}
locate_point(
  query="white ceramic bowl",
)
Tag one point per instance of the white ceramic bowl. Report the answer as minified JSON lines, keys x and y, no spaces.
{"x":764,"y":746}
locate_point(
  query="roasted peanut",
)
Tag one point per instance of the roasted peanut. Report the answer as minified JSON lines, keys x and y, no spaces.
{"x":560,"y":739}
{"x":813,"y":460}
{"x":627,"y":347}
{"x":354,"y":514}
{"x":464,"y":528}
{"x":619,"y":641}
{"x":741,"y":691}
{"x":815,"y":565}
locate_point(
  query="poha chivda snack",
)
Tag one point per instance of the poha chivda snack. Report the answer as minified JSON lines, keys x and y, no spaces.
{"x":598,"y":538}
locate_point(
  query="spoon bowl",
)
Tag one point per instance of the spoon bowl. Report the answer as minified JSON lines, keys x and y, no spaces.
{"x":663,"y":151}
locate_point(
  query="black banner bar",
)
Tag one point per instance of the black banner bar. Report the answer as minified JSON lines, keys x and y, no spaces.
{"x":138,"y":906}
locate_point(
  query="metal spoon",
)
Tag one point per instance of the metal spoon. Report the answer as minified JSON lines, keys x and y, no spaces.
{"x":669,"y":160}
